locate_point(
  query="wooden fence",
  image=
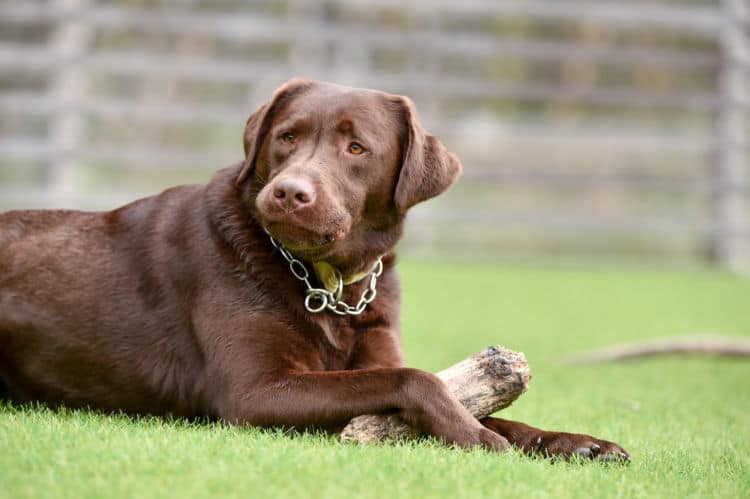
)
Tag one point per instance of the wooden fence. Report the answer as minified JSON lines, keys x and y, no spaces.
{"x":585,"y":127}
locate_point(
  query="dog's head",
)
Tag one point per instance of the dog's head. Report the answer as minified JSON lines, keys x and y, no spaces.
{"x":332,"y":169}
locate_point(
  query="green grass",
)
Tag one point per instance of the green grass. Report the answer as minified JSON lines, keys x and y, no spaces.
{"x":685,"y":421}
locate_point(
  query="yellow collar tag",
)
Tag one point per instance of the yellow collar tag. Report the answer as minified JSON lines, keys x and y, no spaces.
{"x":328,"y":275}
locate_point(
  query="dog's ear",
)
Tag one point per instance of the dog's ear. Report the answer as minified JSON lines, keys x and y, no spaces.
{"x":428,"y":169}
{"x":259,"y":123}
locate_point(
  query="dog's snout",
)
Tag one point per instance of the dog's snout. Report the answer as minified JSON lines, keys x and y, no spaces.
{"x":292,"y":193}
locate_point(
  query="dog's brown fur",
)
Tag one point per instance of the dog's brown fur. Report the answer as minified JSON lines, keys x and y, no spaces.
{"x":178,"y":303}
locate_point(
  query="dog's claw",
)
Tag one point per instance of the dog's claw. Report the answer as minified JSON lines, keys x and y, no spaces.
{"x":539,"y":445}
{"x":588,"y":448}
{"x":595,"y":452}
{"x":620,"y":457}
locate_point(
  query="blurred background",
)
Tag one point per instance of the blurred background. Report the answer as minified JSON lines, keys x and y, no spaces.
{"x":588,"y":129}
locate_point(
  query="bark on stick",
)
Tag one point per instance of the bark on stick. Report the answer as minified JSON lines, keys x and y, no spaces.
{"x":484,"y":383}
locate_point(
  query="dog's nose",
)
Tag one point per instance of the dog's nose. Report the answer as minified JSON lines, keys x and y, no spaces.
{"x":292,"y":193}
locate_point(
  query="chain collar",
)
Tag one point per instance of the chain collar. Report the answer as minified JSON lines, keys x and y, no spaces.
{"x":318,"y":299}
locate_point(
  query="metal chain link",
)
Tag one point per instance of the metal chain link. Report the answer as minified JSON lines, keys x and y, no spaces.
{"x":318,"y":299}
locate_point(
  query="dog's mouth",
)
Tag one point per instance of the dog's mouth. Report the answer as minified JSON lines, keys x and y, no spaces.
{"x":309,"y":232}
{"x":301,"y":240}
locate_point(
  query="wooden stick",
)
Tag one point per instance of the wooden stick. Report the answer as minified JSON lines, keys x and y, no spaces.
{"x":728,"y":347}
{"x":487,"y":382}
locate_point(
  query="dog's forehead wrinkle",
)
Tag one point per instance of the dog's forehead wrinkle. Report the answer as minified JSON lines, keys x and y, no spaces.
{"x":355,"y":113}
{"x":357,"y":128}
{"x":294,"y":121}
{"x":345,"y":126}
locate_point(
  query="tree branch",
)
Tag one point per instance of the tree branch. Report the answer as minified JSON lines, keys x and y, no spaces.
{"x":484,"y":383}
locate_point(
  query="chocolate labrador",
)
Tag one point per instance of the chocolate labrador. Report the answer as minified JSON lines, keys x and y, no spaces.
{"x":267,"y":297}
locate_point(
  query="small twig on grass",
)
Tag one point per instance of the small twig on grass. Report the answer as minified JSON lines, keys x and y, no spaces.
{"x":716,"y":346}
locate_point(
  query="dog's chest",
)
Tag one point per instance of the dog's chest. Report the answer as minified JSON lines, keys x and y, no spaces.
{"x":338,"y":346}
{"x":358,"y":342}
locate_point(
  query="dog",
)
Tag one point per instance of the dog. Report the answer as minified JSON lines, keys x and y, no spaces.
{"x":267,"y":297}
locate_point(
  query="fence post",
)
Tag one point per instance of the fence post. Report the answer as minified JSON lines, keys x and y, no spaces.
{"x":68,"y":86}
{"x":307,"y":57}
{"x":731,"y":238}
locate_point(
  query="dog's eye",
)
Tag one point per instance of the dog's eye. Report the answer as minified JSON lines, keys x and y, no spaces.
{"x":288,"y":137}
{"x":356,"y":148}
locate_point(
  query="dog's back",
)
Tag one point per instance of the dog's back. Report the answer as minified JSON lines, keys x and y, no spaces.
{"x":30,"y":243}
{"x":27,"y":241}
{"x":15,"y":225}
{"x":82,"y":285}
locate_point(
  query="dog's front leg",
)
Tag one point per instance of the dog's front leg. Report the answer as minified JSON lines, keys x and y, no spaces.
{"x":327,"y":398}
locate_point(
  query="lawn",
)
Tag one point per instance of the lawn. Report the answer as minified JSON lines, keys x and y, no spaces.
{"x":686,"y":422}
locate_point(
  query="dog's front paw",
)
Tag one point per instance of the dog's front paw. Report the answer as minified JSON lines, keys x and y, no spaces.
{"x":569,"y":445}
